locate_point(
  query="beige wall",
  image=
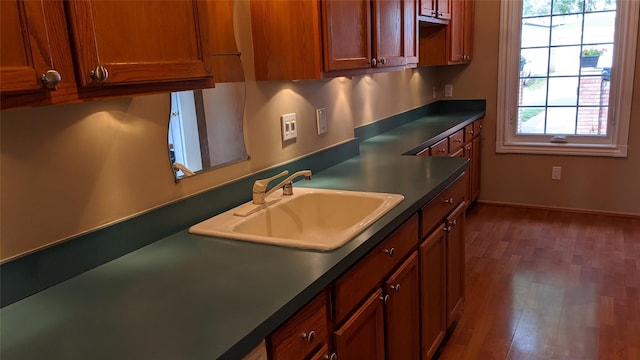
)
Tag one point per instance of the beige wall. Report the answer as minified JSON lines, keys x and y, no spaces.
{"x":591,"y":183}
{"x":69,"y":169}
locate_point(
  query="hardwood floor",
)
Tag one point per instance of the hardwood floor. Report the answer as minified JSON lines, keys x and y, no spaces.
{"x":549,"y":285}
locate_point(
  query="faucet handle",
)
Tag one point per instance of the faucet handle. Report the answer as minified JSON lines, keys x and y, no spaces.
{"x":261,"y":185}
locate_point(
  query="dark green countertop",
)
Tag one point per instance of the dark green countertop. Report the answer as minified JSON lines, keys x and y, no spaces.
{"x":194,"y":297}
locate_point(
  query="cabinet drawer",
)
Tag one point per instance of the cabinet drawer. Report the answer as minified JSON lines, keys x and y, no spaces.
{"x":437,"y":209}
{"x":441,"y":148}
{"x":353,"y":287}
{"x":303,"y":333}
{"x":456,"y":140}
{"x":468,"y":133}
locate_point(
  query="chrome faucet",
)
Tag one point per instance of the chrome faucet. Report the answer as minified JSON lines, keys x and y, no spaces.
{"x":260,"y":186}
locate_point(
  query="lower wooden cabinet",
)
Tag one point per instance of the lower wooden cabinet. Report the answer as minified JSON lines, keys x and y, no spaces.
{"x":362,"y":336}
{"x":402,"y":311}
{"x":455,"y":262}
{"x":324,"y":354}
{"x":472,"y":151}
{"x":433,"y":285}
{"x":397,"y":302}
{"x":304,"y":333}
{"x":391,"y":313}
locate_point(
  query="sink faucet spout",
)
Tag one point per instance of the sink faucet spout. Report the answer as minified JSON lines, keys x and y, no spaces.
{"x":260,"y":186}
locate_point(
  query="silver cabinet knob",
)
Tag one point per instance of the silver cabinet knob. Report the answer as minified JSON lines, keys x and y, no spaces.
{"x":51,"y":79}
{"x":390,"y":252}
{"x":374,"y":62}
{"x":382,"y":61}
{"x":309,"y":337}
{"x":100,"y":74}
{"x":384,"y":299}
{"x":395,"y":287}
{"x":333,"y":356}
{"x":448,"y":201}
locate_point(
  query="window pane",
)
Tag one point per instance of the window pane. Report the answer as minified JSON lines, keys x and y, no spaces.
{"x":535,"y":32}
{"x":566,"y":30}
{"x":599,"y":28}
{"x":561,"y":120}
{"x":565,"y":60}
{"x":601,"y":56}
{"x":536,"y":7}
{"x":536,"y":61}
{"x":563,"y":91}
{"x":533,"y":91}
{"x":596,"y":5}
{"x":567,"y":6}
{"x":531,"y":120}
{"x":593,"y":91}
{"x":592,"y":120}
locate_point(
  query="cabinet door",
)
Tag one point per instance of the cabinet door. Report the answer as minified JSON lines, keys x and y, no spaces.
{"x":428,"y":8}
{"x":362,"y":336}
{"x":277,"y":44}
{"x":129,"y":42}
{"x":323,"y":354}
{"x":433,"y":291}
{"x":475,"y":170}
{"x":460,"y":31}
{"x":24,"y":53}
{"x":443,"y":9}
{"x":402,"y":312}
{"x":347,"y":34}
{"x":30,"y":34}
{"x":411,"y":31}
{"x":388,"y":32}
{"x":455,"y":263}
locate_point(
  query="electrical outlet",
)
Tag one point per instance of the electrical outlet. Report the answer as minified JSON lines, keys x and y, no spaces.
{"x":434,"y":92}
{"x":448,"y":90}
{"x":556,"y":172}
{"x":289,"y":126}
{"x":321,"y":121}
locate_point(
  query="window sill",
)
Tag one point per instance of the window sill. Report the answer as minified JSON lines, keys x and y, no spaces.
{"x":607,"y":150}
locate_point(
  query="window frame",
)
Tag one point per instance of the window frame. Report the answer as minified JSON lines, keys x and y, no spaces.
{"x":615,"y":143}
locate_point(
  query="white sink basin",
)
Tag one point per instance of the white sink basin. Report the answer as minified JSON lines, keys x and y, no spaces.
{"x":317,"y":219}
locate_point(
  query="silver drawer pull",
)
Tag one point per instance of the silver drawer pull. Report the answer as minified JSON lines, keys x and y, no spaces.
{"x":309,"y":337}
{"x":390,"y":252}
{"x":384,"y":299}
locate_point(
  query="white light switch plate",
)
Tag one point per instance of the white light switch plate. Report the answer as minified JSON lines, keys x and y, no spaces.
{"x":321,"y":121}
{"x":289,"y":126}
{"x":448,"y":90}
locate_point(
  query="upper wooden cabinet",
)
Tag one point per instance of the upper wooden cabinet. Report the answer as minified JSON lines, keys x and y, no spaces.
{"x":331,"y":38}
{"x":31,"y":34}
{"x":438,"y":11}
{"x":97,"y":46}
{"x":449,"y":44}
{"x":138,"y":41}
{"x":460,"y":31}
